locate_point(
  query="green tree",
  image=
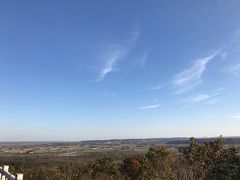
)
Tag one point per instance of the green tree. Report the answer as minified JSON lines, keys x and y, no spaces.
{"x":211,"y":161}
{"x":104,"y":165}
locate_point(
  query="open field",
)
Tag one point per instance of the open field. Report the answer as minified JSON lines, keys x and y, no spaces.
{"x":82,"y":152}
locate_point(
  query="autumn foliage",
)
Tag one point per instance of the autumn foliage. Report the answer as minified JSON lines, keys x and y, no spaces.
{"x":206,"y":161}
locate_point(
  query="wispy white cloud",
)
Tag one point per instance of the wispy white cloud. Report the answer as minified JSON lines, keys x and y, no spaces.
{"x":142,"y":59}
{"x":88,"y":66}
{"x":217,"y":91}
{"x":115,"y":53}
{"x":224,"y":55}
{"x":199,"y":98}
{"x":149,"y":106}
{"x":234,"y":38}
{"x":157,"y":87}
{"x":155,"y":100}
{"x":191,"y":77}
{"x":207,"y":98}
{"x":234,"y":70}
{"x":235,"y":116}
{"x":213,"y":100}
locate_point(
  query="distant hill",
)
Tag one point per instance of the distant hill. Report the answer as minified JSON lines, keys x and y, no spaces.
{"x":159,"y":141}
{"x":139,"y":142}
{"x":228,"y":141}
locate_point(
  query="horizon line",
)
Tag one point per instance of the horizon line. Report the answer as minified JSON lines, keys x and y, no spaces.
{"x":178,"y":137}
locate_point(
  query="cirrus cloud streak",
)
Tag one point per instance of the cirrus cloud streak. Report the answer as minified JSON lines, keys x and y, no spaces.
{"x":191,"y":77}
{"x":149,"y":106}
{"x":115,"y":53}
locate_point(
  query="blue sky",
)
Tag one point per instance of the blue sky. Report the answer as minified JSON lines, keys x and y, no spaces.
{"x":75,"y":70}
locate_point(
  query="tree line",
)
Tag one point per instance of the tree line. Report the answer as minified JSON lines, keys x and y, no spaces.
{"x":208,"y":161}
